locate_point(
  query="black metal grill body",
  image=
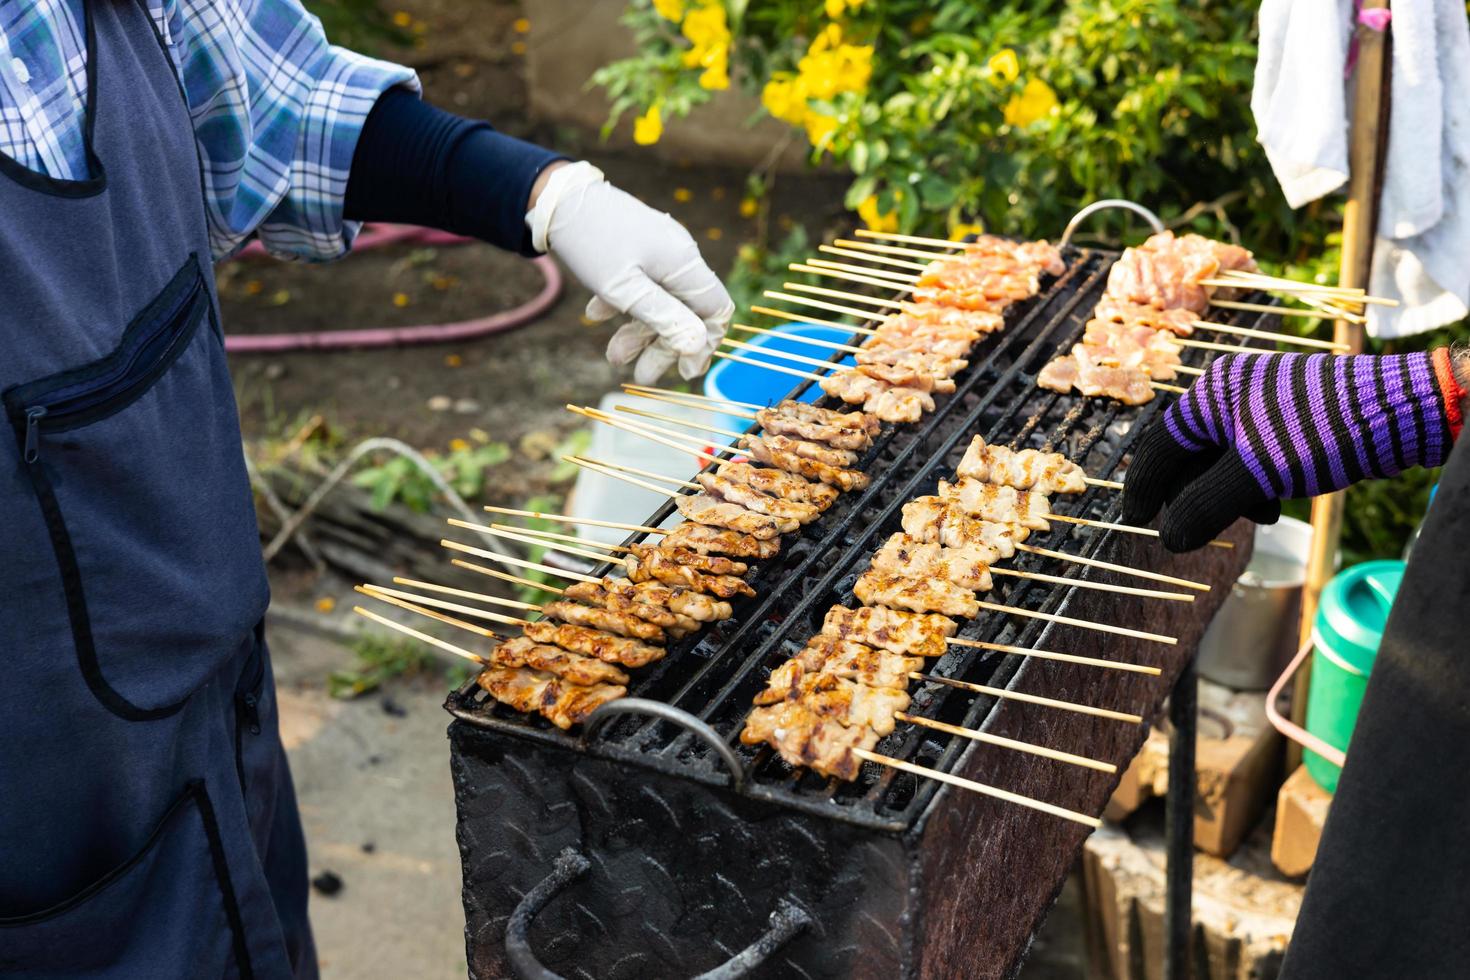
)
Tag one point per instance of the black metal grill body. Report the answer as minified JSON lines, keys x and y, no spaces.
{"x":902,"y":876}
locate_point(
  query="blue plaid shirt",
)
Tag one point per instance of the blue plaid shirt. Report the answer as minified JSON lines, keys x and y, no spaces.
{"x":277,"y":110}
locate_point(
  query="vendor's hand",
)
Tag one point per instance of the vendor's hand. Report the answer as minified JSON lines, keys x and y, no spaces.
{"x":637,"y":261}
{"x":1257,"y":428}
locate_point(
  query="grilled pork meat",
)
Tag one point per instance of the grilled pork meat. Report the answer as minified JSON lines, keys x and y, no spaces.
{"x":735,"y":492}
{"x":522,"y":651}
{"x":804,"y":738}
{"x":1025,"y":469}
{"x":688,"y":607}
{"x":593,"y":643}
{"x":903,"y":555}
{"x":1179,"y":322}
{"x":1005,"y":505}
{"x":825,"y":654}
{"x":842,"y":700}
{"x":828,"y":416}
{"x":874,"y":588}
{"x":765,"y":451}
{"x":913,"y":634}
{"x":600,"y":618}
{"x":714,"y":564}
{"x":533,"y":691}
{"x":1081,"y":370}
{"x":719,"y":541}
{"x":931,"y":518}
{"x":836,"y":436}
{"x":654,"y":567}
{"x":888,"y":402}
{"x":779,"y":483}
{"x":708,"y":509}
{"x":1121,"y":345}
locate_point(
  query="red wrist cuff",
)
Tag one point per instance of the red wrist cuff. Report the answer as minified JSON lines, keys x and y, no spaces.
{"x":1450,"y":389}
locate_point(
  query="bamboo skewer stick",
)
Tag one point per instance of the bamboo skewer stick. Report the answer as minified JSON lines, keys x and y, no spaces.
{"x":373,"y":592}
{"x":507,"y":577}
{"x":890,"y":304}
{"x":1126,"y":528}
{"x":433,"y":641}
{"x":676,"y":481}
{"x":462,"y":593}
{"x":726,"y":355}
{"x":823,"y":305}
{"x":1212,"y":345}
{"x":981,"y":788}
{"x":1172,"y":389}
{"x":685,"y":422}
{"x":1277,"y":284}
{"x":454,"y":606}
{"x":538,"y":533}
{"x":1048,"y":655}
{"x":904,"y":278}
{"x":491,"y":532}
{"x":870,"y":257}
{"x":1113,"y":567}
{"x":1282,"y":338}
{"x":592,"y":464}
{"x":1005,"y":743}
{"x":790,"y":315}
{"x":1186,"y":369}
{"x":812,"y":341}
{"x":1098,"y":586}
{"x":563,"y":518}
{"x":1000,"y":692}
{"x":518,"y":562}
{"x":916,"y":253}
{"x":816,"y":270}
{"x":671,"y":398}
{"x":1230,"y":304}
{"x":692,"y":396}
{"x":1093,"y":481}
{"x":1080,"y":623}
{"x":818,"y":362}
{"x":893,"y":236}
{"x":649,"y":432}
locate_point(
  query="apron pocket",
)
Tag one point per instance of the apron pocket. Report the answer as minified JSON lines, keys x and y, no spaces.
{"x":137,"y":467}
{"x":168,"y":911}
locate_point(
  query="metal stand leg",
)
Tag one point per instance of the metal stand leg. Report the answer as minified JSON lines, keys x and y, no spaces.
{"x":1179,"y":819}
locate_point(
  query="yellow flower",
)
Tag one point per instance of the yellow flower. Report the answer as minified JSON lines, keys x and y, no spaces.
{"x":648,"y":127}
{"x":400,"y":300}
{"x":402,"y":18}
{"x":714,"y":234}
{"x":819,"y":128}
{"x":748,"y":207}
{"x":836,"y":8}
{"x":458,"y":446}
{"x":453,"y":360}
{"x":785,"y":98}
{"x":868,"y":211}
{"x":960,"y":229}
{"x":521,"y":25}
{"x":830,"y":67}
{"x":709,"y":37}
{"x":326,"y":604}
{"x":1004,"y":65}
{"x":683,"y":195}
{"x":716,"y":75}
{"x":670,"y":9}
{"x":1036,"y":101}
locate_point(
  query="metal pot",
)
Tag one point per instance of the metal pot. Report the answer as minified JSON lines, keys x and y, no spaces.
{"x":1253,"y":636}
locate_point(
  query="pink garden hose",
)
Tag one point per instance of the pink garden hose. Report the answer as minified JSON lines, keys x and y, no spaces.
{"x":376,"y":236}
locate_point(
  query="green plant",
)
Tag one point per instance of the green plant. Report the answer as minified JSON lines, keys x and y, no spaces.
{"x":463,"y":467}
{"x":379,"y":659}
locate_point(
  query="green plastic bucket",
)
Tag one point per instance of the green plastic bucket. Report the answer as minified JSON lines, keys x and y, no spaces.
{"x":1350,"y":618}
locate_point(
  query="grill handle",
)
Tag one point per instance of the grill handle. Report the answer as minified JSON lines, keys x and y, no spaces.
{"x":669,"y":713}
{"x":1105,"y":205}
{"x":787,"y":921}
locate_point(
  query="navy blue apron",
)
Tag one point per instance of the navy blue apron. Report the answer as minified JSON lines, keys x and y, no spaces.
{"x":148,"y":827}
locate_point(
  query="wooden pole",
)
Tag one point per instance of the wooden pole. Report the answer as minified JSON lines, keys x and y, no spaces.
{"x":1367,"y":141}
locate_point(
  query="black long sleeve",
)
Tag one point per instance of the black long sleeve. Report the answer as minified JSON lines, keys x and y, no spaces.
{"x":419,"y":165}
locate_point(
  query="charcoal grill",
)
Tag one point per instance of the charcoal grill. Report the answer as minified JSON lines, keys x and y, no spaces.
{"x":656,"y":845}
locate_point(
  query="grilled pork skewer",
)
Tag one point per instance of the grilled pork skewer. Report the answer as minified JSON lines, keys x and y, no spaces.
{"x":537,"y":692}
{"x":684,"y":604}
{"x":1025,"y":469}
{"x":996,"y":503}
{"x":845,"y":658}
{"x":705,"y":508}
{"x":779,"y":483}
{"x":593,"y":643}
{"x":617,"y":601}
{"x":804,"y":738}
{"x":754,"y":500}
{"x":903,"y":555}
{"x":842,"y":700}
{"x":936,"y":519}
{"x":874,"y":588}
{"x":522,"y":651}
{"x":605,"y":619}
{"x":764,"y":450}
{"x":713,"y":564}
{"x":839,"y":437}
{"x":906,"y":633}
{"x":713,"y":540}
{"x":655,"y":567}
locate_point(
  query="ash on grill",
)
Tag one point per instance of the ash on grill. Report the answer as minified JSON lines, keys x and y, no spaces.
{"x":899,"y":875}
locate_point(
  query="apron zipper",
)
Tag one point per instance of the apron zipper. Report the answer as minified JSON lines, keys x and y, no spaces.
{"x":98,"y":398}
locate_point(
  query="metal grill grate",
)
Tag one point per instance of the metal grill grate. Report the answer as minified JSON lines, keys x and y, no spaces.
{"x":714,"y":674}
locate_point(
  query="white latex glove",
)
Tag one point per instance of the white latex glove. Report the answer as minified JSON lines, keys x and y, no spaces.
{"x":636,"y":261}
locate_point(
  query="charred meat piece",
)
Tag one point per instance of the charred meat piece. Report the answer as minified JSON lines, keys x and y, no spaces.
{"x":1025,"y":469}
{"x":534,"y":691}
{"x":903,"y":555}
{"x":844,"y":701}
{"x":804,"y":738}
{"x":718,"y":541}
{"x":825,"y":654}
{"x":713,"y":564}
{"x":931,"y":518}
{"x":688,"y":607}
{"x":600,"y":618}
{"x":875,"y":588}
{"x":839,"y":437}
{"x":827,"y":416}
{"x":812,"y":450}
{"x":705,"y":508}
{"x":779,"y":483}
{"x":765,"y":452}
{"x":605,"y":595}
{"x":735,"y":492}
{"x":522,"y":651}
{"x":913,"y":634}
{"x":593,"y":643}
{"x":1004,"y":505}
{"x":654,"y":567}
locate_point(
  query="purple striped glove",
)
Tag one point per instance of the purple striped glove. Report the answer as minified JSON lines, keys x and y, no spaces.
{"x":1257,"y":428}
